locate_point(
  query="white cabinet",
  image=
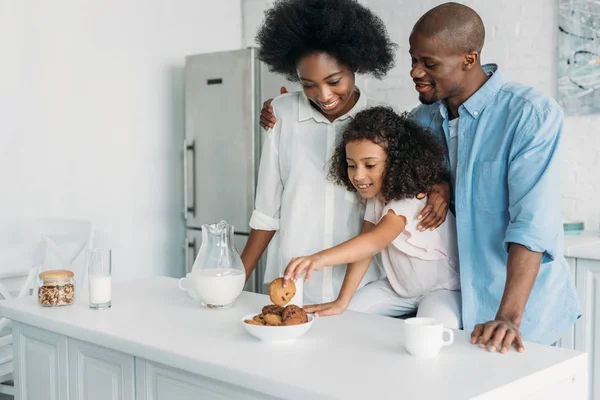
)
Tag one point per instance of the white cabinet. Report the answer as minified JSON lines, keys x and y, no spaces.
{"x":40,"y":364}
{"x":568,"y":340}
{"x":587,"y":331}
{"x":585,"y":334}
{"x":158,"y":382}
{"x":51,"y":366}
{"x":98,"y":373}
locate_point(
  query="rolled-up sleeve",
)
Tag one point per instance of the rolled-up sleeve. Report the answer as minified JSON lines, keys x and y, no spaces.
{"x":269,"y":189}
{"x":533,"y":185}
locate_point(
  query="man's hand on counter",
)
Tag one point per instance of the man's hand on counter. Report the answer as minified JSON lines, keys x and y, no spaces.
{"x":503,"y":332}
{"x":499,"y":334}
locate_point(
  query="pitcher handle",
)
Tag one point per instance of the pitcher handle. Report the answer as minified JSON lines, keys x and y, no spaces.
{"x":450,"y":340}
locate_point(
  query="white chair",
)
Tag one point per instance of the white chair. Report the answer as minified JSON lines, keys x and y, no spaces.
{"x":26,"y":248}
{"x":6,"y":348}
{"x":65,"y":242}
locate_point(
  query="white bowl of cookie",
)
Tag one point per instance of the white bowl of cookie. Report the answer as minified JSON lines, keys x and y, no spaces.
{"x":278,"y":322}
{"x":272,"y":333}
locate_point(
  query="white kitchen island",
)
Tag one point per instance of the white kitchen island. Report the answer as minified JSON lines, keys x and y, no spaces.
{"x":157,"y":344}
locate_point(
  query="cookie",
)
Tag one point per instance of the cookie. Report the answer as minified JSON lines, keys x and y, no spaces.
{"x":260,"y":319}
{"x":273,"y":320}
{"x":272,"y":309}
{"x":281,"y":295}
{"x":294,"y":321}
{"x":253,"y":322}
{"x":292,"y":312}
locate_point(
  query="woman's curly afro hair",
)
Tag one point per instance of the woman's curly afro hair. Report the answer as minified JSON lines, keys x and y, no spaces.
{"x":415,"y":159}
{"x":345,"y":29}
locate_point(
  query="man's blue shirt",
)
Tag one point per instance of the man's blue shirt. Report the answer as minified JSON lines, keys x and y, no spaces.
{"x":507,"y":191}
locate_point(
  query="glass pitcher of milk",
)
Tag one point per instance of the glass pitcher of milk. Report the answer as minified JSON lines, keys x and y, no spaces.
{"x":218,"y":275}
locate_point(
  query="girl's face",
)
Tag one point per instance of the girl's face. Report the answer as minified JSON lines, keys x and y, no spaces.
{"x":327,"y":84}
{"x":366,"y":167}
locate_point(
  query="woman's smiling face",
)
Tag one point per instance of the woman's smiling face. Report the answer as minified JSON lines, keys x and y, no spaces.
{"x":328,"y":84}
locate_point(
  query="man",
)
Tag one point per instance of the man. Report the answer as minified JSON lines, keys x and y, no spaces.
{"x":502,"y":141}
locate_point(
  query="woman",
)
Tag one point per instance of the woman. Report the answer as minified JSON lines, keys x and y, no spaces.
{"x":322,"y":44}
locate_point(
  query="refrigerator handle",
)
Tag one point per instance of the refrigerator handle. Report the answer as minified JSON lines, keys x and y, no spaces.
{"x":187,"y":208}
{"x":187,"y":257}
{"x":189,"y":244}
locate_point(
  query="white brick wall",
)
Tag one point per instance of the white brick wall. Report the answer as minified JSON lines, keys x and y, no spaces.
{"x":522,"y":39}
{"x":92,"y":118}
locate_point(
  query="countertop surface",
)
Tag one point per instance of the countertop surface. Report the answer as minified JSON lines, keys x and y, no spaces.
{"x":349,"y":356}
{"x":583,"y":244}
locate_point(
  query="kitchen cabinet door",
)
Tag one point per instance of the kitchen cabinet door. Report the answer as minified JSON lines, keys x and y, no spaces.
{"x":40,"y":364}
{"x":98,"y":373}
{"x":587,"y":330}
{"x":158,"y":382}
{"x":568,"y":340}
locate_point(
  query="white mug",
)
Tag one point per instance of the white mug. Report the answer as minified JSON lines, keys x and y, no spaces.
{"x":424,"y":337}
{"x":187,"y":287}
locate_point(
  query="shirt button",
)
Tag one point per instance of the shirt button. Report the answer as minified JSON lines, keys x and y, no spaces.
{"x":475,"y":113}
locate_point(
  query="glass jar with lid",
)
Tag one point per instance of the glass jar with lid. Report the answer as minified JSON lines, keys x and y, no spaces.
{"x":56,"y":288}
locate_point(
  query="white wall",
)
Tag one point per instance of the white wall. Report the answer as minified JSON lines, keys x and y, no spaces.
{"x":522,"y":38}
{"x":91,"y":117}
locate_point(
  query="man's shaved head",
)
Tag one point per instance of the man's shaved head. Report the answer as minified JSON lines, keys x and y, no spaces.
{"x":455,"y":24}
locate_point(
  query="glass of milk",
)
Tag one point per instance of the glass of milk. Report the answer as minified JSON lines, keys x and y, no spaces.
{"x":99,"y":271}
{"x":218,"y":275}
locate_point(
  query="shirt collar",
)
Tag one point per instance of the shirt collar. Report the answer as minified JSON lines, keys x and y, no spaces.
{"x":481,"y":98}
{"x":306,"y":111}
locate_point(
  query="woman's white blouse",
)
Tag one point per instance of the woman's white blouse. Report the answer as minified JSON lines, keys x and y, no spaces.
{"x":295,"y":198}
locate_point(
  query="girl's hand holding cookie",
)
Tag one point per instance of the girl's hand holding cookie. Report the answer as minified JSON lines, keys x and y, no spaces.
{"x":280,"y":293}
{"x":302,"y":265}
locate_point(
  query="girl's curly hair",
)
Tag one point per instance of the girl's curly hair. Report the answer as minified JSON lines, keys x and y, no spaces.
{"x":345,"y":29}
{"x":415,"y":159}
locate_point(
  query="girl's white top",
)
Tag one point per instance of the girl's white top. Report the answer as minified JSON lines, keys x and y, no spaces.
{"x":295,"y":198}
{"x":416,"y":262}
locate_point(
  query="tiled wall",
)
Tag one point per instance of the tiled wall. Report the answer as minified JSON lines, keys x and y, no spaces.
{"x":522,"y":39}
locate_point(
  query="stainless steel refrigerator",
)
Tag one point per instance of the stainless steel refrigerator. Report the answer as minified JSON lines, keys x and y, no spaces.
{"x":224,"y":93}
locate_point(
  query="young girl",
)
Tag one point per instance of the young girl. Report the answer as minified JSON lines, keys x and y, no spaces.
{"x":322,"y":44}
{"x":389,"y":159}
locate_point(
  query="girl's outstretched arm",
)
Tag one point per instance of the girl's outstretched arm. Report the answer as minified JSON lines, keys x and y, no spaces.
{"x":354,"y":274}
{"x":363,"y":246}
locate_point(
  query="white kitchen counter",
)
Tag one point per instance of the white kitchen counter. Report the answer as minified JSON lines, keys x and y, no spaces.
{"x":584,"y":244}
{"x":351,"y":356}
